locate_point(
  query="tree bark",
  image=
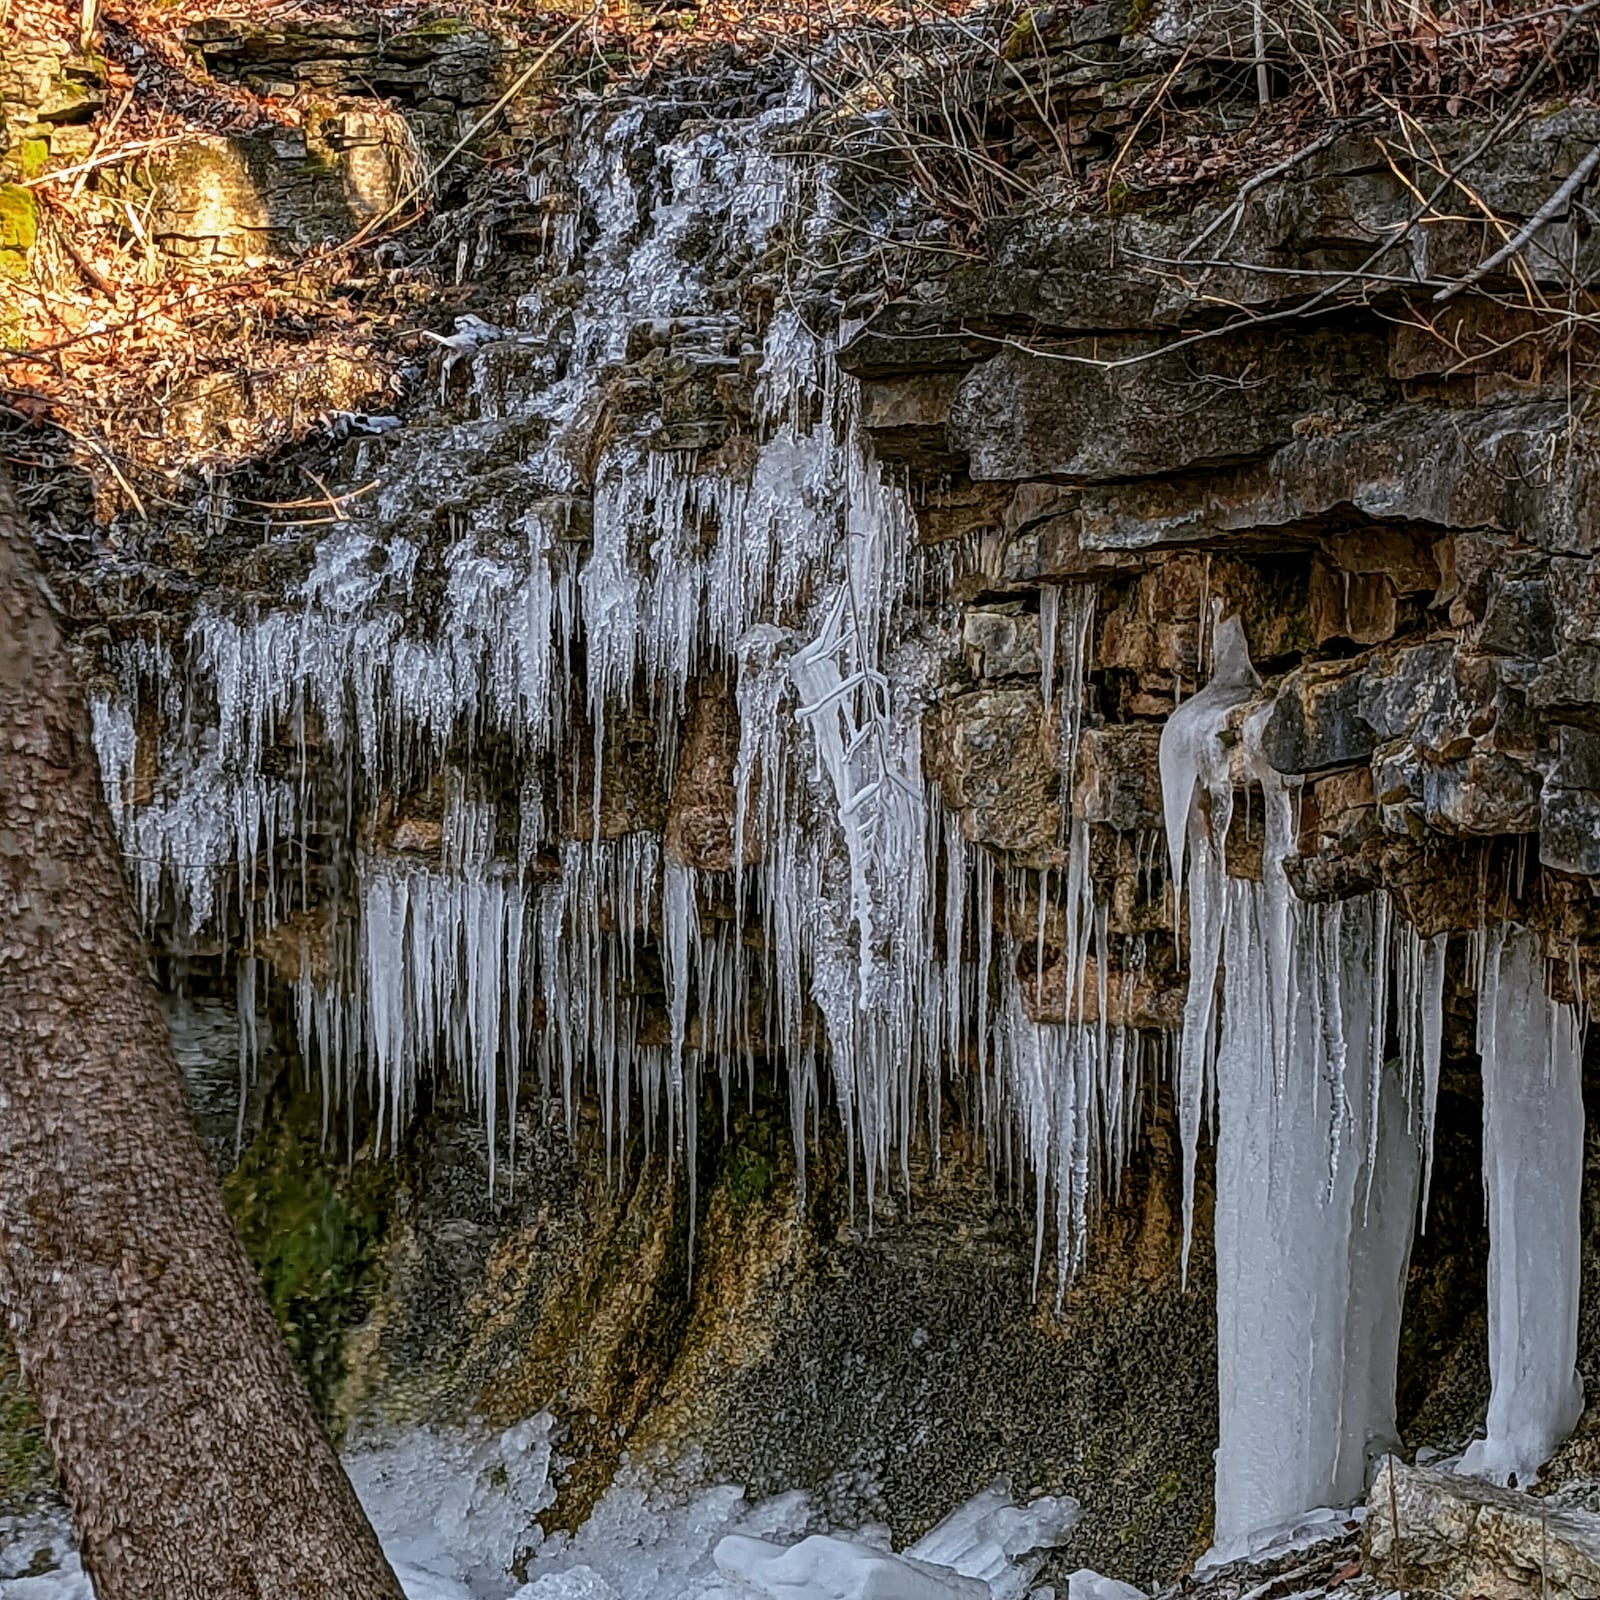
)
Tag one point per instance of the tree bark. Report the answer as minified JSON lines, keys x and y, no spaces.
{"x":186,"y":1443}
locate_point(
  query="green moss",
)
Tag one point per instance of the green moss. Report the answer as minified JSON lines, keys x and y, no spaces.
{"x":19,"y":228}
{"x":436,"y":28}
{"x":1023,"y":38}
{"x":312,"y":1226}
{"x":26,"y":1470}
{"x":65,"y":101}
{"x":751,"y":1164}
{"x":1140,"y":15}
{"x":32,"y":156}
{"x":750,"y":1177}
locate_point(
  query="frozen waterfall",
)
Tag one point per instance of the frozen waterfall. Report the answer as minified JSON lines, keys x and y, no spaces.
{"x":408,"y":789}
{"x":1324,"y":1070}
{"x":423,"y":788}
{"x":1533,"y":1175}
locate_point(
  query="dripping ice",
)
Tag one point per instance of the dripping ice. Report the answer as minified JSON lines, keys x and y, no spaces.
{"x":1325,"y":1141}
{"x":1533,"y":1136}
{"x":843,"y":854}
{"x":880,"y":968}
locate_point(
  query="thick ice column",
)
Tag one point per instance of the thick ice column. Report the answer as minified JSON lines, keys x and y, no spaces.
{"x":1533,"y":1173}
{"x":1289,"y":1169}
{"x":1197,"y":806}
{"x":1380,"y":1257}
{"x":1317,"y":1169}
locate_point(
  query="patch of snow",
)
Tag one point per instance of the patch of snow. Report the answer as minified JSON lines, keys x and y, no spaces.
{"x":455,"y":1508}
{"x":824,"y":1568}
{"x":456,"y":1511}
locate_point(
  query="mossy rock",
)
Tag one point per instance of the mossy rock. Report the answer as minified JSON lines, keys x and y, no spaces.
{"x":312,"y":1225}
{"x":19,"y":229}
{"x":27,"y":1473}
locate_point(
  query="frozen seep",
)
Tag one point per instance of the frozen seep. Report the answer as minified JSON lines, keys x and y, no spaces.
{"x":493,"y":675}
{"x":396,"y":786}
{"x":1318,"y":1162}
{"x":1533,"y":1176}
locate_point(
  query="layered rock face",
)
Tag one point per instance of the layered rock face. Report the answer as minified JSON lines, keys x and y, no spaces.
{"x":680,"y":764}
{"x":1395,"y":494}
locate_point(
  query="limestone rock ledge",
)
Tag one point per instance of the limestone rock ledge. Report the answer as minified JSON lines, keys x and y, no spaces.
{"x":1459,"y":1536}
{"x":1397,"y":497}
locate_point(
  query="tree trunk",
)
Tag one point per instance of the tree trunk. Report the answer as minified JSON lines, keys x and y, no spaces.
{"x":186,"y":1443}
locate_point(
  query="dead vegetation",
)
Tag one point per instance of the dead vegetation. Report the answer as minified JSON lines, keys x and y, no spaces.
{"x":1025,"y":105}
{"x":119,"y":352}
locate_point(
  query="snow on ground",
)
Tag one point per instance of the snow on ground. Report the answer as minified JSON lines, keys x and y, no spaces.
{"x":457,"y":1512}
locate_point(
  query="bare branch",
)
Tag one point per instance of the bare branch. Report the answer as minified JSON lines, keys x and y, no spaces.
{"x":1519,"y":242}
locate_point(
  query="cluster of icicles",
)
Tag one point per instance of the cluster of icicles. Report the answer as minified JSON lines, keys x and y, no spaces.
{"x":787,"y":576}
{"x":878,"y":976}
{"x":1319,"y":1165}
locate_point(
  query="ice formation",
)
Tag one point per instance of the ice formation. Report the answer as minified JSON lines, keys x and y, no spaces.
{"x":824,"y":1568}
{"x":1533,"y":1176}
{"x":1318,"y":1159}
{"x":996,"y":1541}
{"x":457,"y":1509}
{"x":454,"y":889}
{"x":433,"y":920}
{"x":1323,"y":1066}
{"x":1086,"y":1584}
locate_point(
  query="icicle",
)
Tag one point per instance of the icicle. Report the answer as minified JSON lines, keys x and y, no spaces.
{"x":1533,"y":1175}
{"x":401,"y":663}
{"x":1049,"y":618}
{"x":1431,"y":1001}
{"x":678,"y":917}
{"x":1193,"y":764}
{"x":1380,"y":1258}
{"x":1310,"y":1267}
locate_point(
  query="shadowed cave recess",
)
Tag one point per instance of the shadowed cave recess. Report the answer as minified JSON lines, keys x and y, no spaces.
{"x":859,"y":850}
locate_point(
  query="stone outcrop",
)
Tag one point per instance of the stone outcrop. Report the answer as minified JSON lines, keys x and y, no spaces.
{"x":1436,"y":1533}
{"x":1398,"y":497}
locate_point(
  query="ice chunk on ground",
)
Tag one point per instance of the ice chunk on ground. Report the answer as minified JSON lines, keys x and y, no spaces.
{"x":992,"y":1538}
{"x":1087,"y":1584}
{"x":424,"y":1583}
{"x":456,"y":1508}
{"x":68,"y":1583}
{"x":576,"y":1583}
{"x":456,"y":1511}
{"x":824,"y":1568}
